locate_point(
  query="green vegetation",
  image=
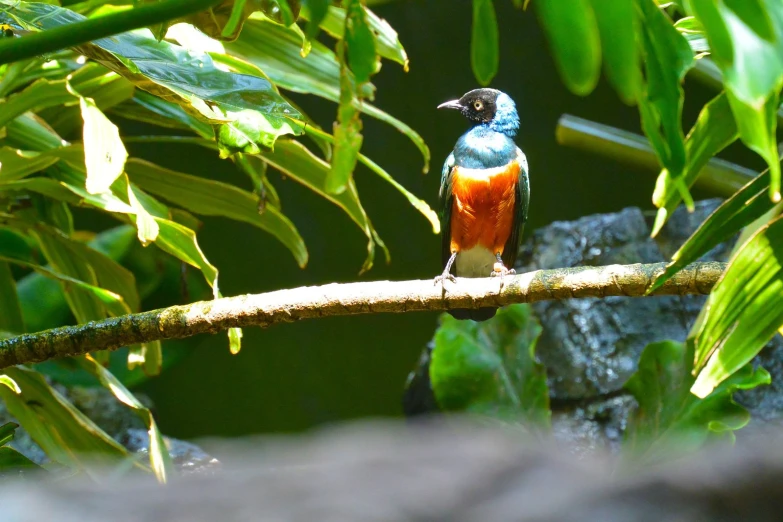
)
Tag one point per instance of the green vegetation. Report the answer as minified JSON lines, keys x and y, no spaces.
{"x":216,"y":74}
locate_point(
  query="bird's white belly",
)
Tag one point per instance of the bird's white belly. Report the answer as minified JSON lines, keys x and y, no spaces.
{"x":476,"y":262}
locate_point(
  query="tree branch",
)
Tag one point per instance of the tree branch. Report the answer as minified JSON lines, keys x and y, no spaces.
{"x":335,"y":299}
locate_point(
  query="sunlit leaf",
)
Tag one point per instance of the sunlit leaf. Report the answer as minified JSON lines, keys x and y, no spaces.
{"x":693,"y":31}
{"x":714,"y":130}
{"x":214,"y":198}
{"x":746,"y":41}
{"x":11,"y":316}
{"x":17,"y":164}
{"x":248,"y":105}
{"x":148,"y":356}
{"x":66,"y":435}
{"x":490,"y":367}
{"x":737,"y":212}
{"x":145,"y":224}
{"x":572,"y":31}
{"x":484,"y":42}
{"x":667,"y":57}
{"x":275,"y":49}
{"x":743,"y":311}
{"x":104,"y":153}
{"x":618,"y":24}
{"x":669,"y":417}
{"x":159,"y":455}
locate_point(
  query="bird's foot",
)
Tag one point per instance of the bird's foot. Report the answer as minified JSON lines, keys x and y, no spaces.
{"x":446,"y":275}
{"x":499,"y":270}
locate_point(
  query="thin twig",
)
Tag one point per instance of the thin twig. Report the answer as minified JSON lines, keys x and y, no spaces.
{"x":352,"y":299}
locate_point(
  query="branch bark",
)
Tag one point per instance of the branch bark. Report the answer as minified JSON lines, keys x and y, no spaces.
{"x":335,"y":299}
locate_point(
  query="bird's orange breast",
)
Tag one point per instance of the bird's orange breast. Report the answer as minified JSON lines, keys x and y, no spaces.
{"x":483,"y":207}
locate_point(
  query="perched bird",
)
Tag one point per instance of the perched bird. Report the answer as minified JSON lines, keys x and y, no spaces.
{"x":484,"y":193}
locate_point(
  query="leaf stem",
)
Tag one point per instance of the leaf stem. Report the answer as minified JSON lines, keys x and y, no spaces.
{"x":43,"y":42}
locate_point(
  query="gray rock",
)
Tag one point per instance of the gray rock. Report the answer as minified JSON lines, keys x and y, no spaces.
{"x":119,"y":422}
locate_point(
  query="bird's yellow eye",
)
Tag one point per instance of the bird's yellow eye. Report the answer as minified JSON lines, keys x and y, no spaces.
{"x":478,"y":105}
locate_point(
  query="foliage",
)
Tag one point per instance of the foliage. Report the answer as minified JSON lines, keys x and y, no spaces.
{"x":669,"y":417}
{"x":490,"y":368}
{"x":214,"y":75}
{"x":647,"y":47}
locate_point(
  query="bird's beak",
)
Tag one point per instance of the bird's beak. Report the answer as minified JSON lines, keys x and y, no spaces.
{"x":453,"y":104}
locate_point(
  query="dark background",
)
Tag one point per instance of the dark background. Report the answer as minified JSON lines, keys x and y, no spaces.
{"x":295,"y":376}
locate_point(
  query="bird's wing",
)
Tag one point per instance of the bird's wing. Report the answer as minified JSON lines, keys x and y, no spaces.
{"x":445,"y":196}
{"x":521,"y":205}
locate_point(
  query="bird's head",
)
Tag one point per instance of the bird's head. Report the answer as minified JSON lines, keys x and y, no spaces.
{"x":489,"y":107}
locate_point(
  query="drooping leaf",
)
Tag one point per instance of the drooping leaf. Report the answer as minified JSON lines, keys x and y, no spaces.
{"x":347,"y":134}
{"x":66,"y":435}
{"x":572,"y":31}
{"x":295,"y":161}
{"x":160,"y":460}
{"x":275,"y":49}
{"x":360,"y":42}
{"x":484,"y":42}
{"x":248,"y":106}
{"x":104,"y":152}
{"x":387,"y":42}
{"x":669,"y":417}
{"x":214,"y":198}
{"x":11,"y":316}
{"x":743,"y":311}
{"x":667,"y":57}
{"x":734,"y":214}
{"x":315,"y":11}
{"x":7,"y":432}
{"x":490,"y":367}
{"x":746,"y":42}
{"x":714,"y":130}
{"x":618,"y":24}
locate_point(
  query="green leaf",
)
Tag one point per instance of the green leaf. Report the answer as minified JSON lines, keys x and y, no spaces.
{"x":275,"y":49}
{"x":11,"y":317}
{"x":360,"y":42}
{"x":146,"y":225}
{"x":572,"y":31}
{"x":112,"y":301}
{"x":315,"y":11}
{"x":66,"y":435}
{"x":148,"y":356}
{"x":746,"y":41}
{"x":16,"y":164}
{"x":214,"y":198}
{"x":617,"y":25}
{"x":669,"y":417}
{"x":667,"y":57}
{"x":693,"y":31}
{"x":11,"y":461}
{"x":743,"y":311}
{"x":714,"y":130}
{"x":7,"y":432}
{"x":295,"y":161}
{"x":159,"y":455}
{"x":387,"y":42}
{"x":181,"y":242}
{"x":734,"y":214}
{"x":104,"y":153}
{"x":484,"y":42}
{"x":347,"y":135}
{"x":490,"y":367}
{"x":249,"y":106}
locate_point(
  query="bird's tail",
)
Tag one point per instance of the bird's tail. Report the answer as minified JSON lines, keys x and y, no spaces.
{"x":474,"y":314}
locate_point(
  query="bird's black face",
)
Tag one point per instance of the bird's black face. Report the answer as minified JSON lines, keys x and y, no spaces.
{"x":478,"y":105}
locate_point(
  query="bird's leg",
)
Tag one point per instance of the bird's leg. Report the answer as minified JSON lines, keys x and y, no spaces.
{"x":447,"y":272}
{"x":500,"y":270}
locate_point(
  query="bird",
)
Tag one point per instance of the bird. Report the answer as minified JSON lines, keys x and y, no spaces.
{"x":484,"y":194}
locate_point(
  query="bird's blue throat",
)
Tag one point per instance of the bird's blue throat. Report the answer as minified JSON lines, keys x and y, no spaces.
{"x":491,"y":144}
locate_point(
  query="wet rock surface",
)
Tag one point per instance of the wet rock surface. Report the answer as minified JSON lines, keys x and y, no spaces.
{"x":591,"y":346}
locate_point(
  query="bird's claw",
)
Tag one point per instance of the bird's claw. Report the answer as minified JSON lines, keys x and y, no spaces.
{"x":499,"y":270}
{"x":442,"y":279}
